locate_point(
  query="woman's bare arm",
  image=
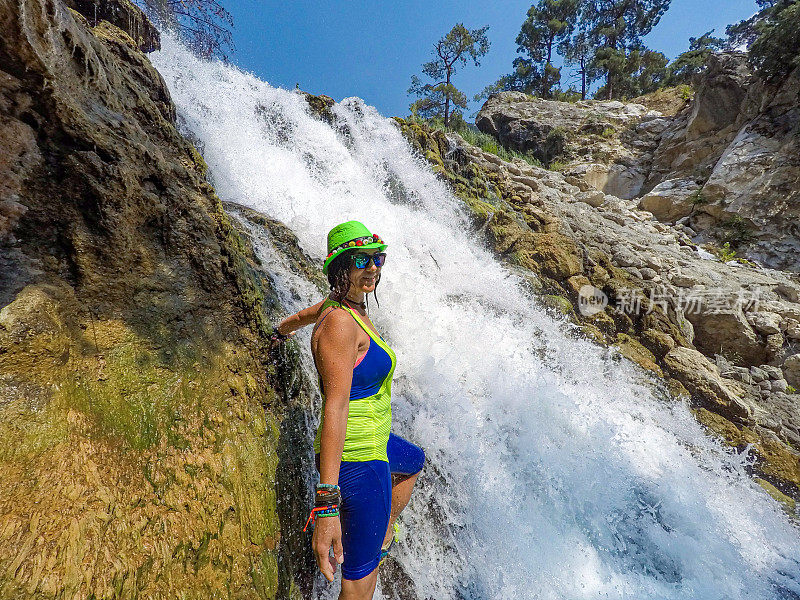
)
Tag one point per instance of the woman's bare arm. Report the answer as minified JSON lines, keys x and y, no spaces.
{"x":300,"y":319}
{"x":335,"y":348}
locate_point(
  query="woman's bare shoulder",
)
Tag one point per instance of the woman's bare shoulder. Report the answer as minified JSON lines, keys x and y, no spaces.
{"x":334,"y":321}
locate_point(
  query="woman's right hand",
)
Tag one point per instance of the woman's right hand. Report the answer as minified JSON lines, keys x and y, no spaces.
{"x":327,"y":535}
{"x":277,"y":340}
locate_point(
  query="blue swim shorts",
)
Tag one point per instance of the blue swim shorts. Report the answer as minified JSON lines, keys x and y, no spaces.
{"x":404,"y":457}
{"x":366,"y":503}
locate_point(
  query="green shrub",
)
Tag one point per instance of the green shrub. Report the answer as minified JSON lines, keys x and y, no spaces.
{"x":697,"y":198}
{"x":726,"y":253}
{"x":608,"y":132}
{"x":686,"y":92}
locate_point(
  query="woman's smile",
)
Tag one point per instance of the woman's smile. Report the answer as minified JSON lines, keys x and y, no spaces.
{"x":368,"y":281}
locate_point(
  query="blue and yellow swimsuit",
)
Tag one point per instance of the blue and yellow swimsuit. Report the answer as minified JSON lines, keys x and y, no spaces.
{"x":371,"y":454}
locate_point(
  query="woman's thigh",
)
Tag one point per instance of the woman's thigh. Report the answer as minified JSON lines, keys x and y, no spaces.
{"x":366,"y":502}
{"x":405,"y":458}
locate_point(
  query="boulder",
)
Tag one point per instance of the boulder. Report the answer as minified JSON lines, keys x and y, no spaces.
{"x":775,"y":351}
{"x":758,"y":375}
{"x":721,"y":92}
{"x":658,"y":342}
{"x":701,"y":377}
{"x":592,"y":198}
{"x":631,"y":349}
{"x":670,"y":200}
{"x":765,"y":322}
{"x":726,"y":332}
{"x":527,"y":124}
{"x":779,"y":385}
{"x":791,"y":370}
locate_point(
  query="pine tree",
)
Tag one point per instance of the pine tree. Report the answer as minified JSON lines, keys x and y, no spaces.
{"x":687,"y":64}
{"x":454,"y":49}
{"x":547,"y":24}
{"x":776,"y":51}
{"x":616,"y":28}
{"x":578,"y":52}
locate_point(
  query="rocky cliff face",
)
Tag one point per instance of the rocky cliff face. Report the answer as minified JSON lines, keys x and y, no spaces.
{"x":725,"y":164}
{"x":145,"y":431}
{"x":722,"y":334}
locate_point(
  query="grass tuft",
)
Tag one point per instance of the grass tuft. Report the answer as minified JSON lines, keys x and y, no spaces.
{"x":485,"y":142}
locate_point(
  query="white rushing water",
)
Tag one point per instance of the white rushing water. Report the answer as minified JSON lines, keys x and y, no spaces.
{"x":554,"y":470}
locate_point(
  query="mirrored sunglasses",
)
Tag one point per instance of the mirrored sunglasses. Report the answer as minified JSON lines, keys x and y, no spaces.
{"x":361,"y":259}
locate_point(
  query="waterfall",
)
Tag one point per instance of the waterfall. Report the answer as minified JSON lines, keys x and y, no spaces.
{"x":555,"y":470}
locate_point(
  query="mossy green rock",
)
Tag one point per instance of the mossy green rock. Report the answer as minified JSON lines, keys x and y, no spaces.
{"x":146,"y":431}
{"x":558,"y":303}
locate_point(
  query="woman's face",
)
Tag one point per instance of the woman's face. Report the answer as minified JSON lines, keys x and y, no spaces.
{"x":364,"y":280}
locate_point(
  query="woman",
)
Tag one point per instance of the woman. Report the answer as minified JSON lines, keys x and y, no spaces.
{"x":366,"y":473}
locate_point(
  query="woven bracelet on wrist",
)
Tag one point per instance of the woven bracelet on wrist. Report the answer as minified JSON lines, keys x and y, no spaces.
{"x":327,"y":493}
{"x":326,"y":498}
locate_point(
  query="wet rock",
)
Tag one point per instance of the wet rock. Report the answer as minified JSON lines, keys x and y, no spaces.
{"x":791,"y":370}
{"x":658,"y":342}
{"x":124,"y":15}
{"x":142,"y":418}
{"x":701,"y":378}
{"x":636,"y":352}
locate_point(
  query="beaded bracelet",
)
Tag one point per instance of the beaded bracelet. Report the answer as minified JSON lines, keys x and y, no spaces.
{"x":322,"y":511}
{"x":327,"y":486}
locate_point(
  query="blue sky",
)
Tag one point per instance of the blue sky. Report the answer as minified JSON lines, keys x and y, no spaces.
{"x":371,"y":49}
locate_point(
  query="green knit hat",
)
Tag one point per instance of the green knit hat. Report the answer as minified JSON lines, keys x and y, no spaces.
{"x":349,"y":236}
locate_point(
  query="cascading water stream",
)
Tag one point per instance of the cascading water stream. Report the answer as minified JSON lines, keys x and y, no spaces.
{"x":554,"y":470}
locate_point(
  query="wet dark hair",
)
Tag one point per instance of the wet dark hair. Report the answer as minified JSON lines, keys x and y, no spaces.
{"x":339,"y":277}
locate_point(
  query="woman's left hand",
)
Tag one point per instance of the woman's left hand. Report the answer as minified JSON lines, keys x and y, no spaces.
{"x":327,"y":535}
